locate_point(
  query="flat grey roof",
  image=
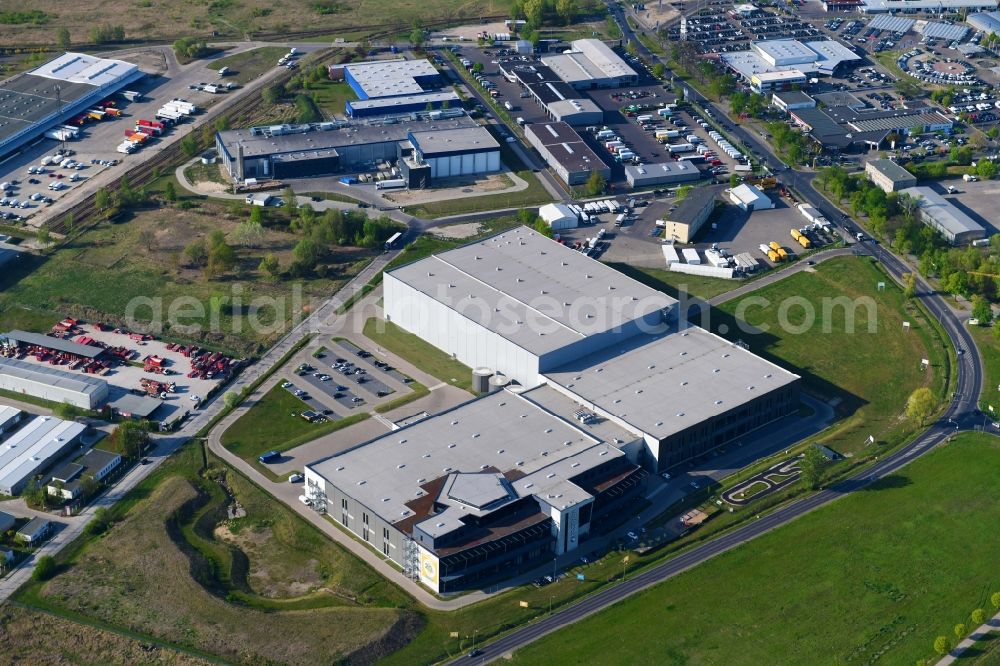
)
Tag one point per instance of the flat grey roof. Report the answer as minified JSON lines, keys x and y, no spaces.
{"x":33,"y":446}
{"x":97,"y":459}
{"x":388,"y":103}
{"x":892,"y":23}
{"x":793,"y":97}
{"x":663,"y":384}
{"x":388,"y":78}
{"x":501,"y":431}
{"x":541,"y":288}
{"x":569,"y":107}
{"x":603,"y":57}
{"x":837,"y":98}
{"x":566,"y":146}
{"x":6,"y":521}
{"x":26,"y":98}
{"x":455,"y":141}
{"x":59,"y":344}
{"x":891,"y":170}
{"x":351,"y":134}
{"x":137,"y":405}
{"x":44,"y":374}
{"x":678,"y":168}
{"x":943,"y":211}
{"x":693,"y":204}
{"x":34,"y":527}
{"x":925,"y":5}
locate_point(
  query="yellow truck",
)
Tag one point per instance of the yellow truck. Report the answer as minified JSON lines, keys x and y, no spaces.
{"x":773,"y":256}
{"x":804,"y":242}
{"x":782,"y":253}
{"x":774,"y":246}
{"x":796,"y":234}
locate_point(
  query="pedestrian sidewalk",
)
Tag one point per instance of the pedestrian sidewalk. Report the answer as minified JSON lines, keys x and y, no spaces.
{"x":984,"y":630}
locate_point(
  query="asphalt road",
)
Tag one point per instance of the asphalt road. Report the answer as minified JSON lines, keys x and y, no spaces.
{"x":962,"y":414}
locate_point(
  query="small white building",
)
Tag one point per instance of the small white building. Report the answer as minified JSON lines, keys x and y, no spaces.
{"x":558,"y":216}
{"x":750,"y":198}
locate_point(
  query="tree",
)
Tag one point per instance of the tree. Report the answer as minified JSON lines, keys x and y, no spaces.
{"x":909,"y":285}
{"x":542,"y":227}
{"x":811,"y":467}
{"x":147,"y":237}
{"x":100,"y":523}
{"x":291,"y":203}
{"x":734,"y":180}
{"x":169,"y":192}
{"x":249,"y":233}
{"x":417,"y":36}
{"x":221,"y":259}
{"x":658,"y":70}
{"x":43,"y":236}
{"x":978,"y":616}
{"x":920,"y":405}
{"x":477,"y":67}
{"x":270,"y":265}
{"x":981,"y":310}
{"x":189,"y":145}
{"x":986,"y":169}
{"x":232,"y":398}
{"x":273,"y":93}
{"x":216,"y":237}
{"x":566,"y":10}
{"x":45,"y":568}
{"x":102,"y":198}
{"x":960,"y":630}
{"x":196,"y":252}
{"x":995,"y":597}
{"x":62,"y":38}
{"x":130,"y":438}
{"x":306,"y":254}
{"x":942,"y":645}
{"x":534,"y":12}
{"x":595,"y":183}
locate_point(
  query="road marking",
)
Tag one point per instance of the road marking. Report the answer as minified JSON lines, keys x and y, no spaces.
{"x":438,"y":386}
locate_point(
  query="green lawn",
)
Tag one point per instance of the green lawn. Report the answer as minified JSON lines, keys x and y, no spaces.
{"x":871,"y":374}
{"x":249,"y":65}
{"x":676,"y":283}
{"x":430,"y":359}
{"x":274,"y":423}
{"x":332,"y":96}
{"x":989,"y":348}
{"x":876,"y":575}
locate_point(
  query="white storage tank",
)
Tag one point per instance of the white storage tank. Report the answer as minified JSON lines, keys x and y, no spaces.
{"x":497,"y":382}
{"x":481,"y":380}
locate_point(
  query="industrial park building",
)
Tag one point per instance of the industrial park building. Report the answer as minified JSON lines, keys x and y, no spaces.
{"x":565,"y":151}
{"x":561,"y":101}
{"x":647,"y":175}
{"x":780,"y":64}
{"x":939,"y":213}
{"x":301,"y":151}
{"x":519,"y":303}
{"x":926,"y":6}
{"x":841,"y":128}
{"x":591,"y":64}
{"x":792,"y":99}
{"x":42,"y":381}
{"x":34,"y":102}
{"x":391,"y":87}
{"x":889,"y":176}
{"x":610,"y":391}
{"x":686,"y":219}
{"x":34,"y":448}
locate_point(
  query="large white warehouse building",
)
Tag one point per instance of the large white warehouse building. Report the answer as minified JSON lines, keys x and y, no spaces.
{"x":42,"y":381}
{"x":520,"y":304}
{"x":34,"y":448}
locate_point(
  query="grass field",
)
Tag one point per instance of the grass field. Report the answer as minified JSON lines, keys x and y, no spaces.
{"x":33,"y":637}
{"x":870,"y":374}
{"x":165,"y":21}
{"x":985,"y":652}
{"x":331,"y":96}
{"x":429,"y":359}
{"x":246,"y":66}
{"x":876,"y":575}
{"x":274,"y":423}
{"x":98,"y":276}
{"x":173,"y":568}
{"x":675,"y":283}
{"x":989,"y":349}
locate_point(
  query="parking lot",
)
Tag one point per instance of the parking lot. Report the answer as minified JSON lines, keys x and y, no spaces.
{"x":978,"y":200}
{"x":98,"y":141}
